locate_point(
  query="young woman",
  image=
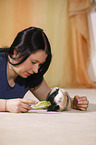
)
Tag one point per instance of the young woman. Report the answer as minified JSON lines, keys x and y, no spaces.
{"x":22,"y":67}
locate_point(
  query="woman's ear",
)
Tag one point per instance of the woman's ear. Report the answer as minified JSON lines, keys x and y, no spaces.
{"x":14,"y":58}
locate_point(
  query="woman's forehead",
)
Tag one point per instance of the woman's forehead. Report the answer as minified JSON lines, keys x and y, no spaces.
{"x":39,"y":56}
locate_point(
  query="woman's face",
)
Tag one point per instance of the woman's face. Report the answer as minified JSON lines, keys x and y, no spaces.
{"x":31,"y":64}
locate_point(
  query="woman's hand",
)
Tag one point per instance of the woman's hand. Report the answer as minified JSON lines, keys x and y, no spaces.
{"x":19,"y":105}
{"x":80,"y":103}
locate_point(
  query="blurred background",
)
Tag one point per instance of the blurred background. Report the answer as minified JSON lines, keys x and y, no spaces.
{"x":70,"y":26}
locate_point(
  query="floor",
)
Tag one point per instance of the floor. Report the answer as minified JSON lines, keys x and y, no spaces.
{"x":39,"y":127}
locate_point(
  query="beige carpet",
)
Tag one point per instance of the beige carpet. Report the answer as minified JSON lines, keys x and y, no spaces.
{"x":51,"y":128}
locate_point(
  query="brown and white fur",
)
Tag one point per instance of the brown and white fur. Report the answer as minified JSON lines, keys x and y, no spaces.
{"x":60,"y":100}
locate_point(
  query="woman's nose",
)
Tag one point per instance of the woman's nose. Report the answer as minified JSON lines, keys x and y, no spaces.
{"x":35,"y":68}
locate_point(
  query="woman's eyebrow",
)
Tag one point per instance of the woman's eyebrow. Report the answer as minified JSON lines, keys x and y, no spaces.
{"x":35,"y":60}
{"x":38,"y":61}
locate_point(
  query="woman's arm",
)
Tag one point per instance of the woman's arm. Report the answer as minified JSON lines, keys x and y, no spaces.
{"x":2,"y":105}
{"x":23,"y":105}
{"x":41,"y":91}
{"x":16,"y":105}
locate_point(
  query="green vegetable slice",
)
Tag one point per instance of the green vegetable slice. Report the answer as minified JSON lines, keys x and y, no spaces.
{"x":42,"y":105}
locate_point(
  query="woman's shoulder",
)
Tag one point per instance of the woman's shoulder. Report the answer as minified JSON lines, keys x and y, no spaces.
{"x":2,"y":55}
{"x":2,"y":51}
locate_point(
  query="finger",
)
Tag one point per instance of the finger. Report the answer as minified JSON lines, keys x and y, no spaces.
{"x":83,"y":109}
{"x":83,"y":98}
{"x":83,"y":102}
{"x":82,"y":106}
{"x":76,"y":97}
{"x":28,"y":101}
{"x":79,"y":106}
{"x":26,"y":106}
{"x":23,"y":110}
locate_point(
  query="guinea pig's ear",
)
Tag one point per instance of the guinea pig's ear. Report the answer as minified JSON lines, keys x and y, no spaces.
{"x":51,"y":95}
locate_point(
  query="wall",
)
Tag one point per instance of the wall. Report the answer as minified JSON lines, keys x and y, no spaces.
{"x":50,"y":15}
{"x":92,"y":28}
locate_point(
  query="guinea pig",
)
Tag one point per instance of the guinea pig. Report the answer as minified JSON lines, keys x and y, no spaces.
{"x":60,"y":100}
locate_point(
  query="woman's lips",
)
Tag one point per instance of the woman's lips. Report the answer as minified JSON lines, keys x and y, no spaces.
{"x":28,"y":74}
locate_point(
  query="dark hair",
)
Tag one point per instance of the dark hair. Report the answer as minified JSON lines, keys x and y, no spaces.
{"x":29,"y":41}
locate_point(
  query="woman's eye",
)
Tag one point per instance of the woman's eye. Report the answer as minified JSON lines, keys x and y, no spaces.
{"x":33,"y":62}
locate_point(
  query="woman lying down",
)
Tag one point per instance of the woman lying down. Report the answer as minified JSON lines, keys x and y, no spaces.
{"x":22,"y":67}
